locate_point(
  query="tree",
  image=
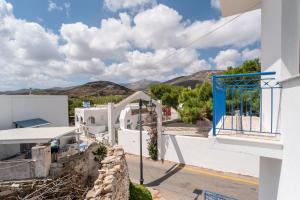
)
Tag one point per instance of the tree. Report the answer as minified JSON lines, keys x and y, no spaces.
{"x":196,"y":104}
{"x":167,"y":93}
{"x":249,"y":66}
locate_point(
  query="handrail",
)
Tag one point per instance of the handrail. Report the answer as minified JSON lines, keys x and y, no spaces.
{"x":232,"y":94}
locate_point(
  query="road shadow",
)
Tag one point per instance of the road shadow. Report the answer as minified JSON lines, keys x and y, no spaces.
{"x":170,"y":172}
{"x":198,"y":193}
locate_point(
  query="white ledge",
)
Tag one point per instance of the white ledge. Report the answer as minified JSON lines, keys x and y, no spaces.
{"x":290,"y":78}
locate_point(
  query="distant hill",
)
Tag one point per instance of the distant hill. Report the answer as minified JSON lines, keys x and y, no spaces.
{"x":98,"y":88}
{"x":106,"y":88}
{"x":194,"y":79}
{"x":141,"y":85}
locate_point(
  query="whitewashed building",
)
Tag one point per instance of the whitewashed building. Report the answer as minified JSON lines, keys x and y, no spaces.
{"x":95,"y":118}
{"x":276,"y":142}
{"x":51,"y":108}
{"x":29,"y":111}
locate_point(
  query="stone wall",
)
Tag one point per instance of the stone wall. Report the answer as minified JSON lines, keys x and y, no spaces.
{"x":17,"y":169}
{"x":82,"y":164}
{"x":113,"y":180}
{"x":36,"y":167}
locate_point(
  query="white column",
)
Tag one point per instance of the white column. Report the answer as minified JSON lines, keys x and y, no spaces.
{"x":269,"y":174}
{"x":111,"y":123}
{"x":280,"y":50}
{"x":159,"y":129}
{"x":271,"y":44}
{"x":289,"y":186}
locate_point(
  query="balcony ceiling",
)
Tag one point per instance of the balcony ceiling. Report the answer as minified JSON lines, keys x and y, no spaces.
{"x":233,"y":7}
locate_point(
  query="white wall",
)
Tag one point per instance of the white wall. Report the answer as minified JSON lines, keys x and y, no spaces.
{"x":194,"y":151}
{"x":100,"y":114}
{"x":130,"y":141}
{"x":290,"y":128}
{"x":22,"y":107}
{"x":7,"y":150}
{"x":197,"y":151}
{"x":42,"y":157}
{"x":269,"y":173}
{"x":279,"y":46}
{"x":126,"y":118}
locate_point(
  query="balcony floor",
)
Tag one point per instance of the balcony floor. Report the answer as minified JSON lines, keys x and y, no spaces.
{"x":250,"y":135}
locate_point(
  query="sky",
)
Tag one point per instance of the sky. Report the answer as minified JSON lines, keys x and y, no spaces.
{"x":59,"y":43}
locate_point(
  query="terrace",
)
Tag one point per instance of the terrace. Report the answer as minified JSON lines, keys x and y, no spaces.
{"x":246,"y":108}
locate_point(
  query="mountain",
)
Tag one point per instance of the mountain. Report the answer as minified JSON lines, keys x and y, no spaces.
{"x":194,"y":79}
{"x":106,"y":88}
{"x":98,"y":88}
{"x":141,"y":84}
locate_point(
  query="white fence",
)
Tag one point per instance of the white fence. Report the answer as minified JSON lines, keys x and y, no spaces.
{"x":196,"y":151}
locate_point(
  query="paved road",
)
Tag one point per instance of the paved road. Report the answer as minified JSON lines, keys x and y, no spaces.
{"x":178,"y":182}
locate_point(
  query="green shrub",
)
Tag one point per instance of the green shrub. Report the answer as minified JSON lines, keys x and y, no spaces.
{"x":139,"y":192}
{"x":152,"y":149}
{"x":100,"y":152}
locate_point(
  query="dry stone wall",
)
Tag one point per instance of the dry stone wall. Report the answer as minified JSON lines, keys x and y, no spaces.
{"x":113,"y":180}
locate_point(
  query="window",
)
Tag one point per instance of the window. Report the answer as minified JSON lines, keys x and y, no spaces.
{"x":129,"y":124}
{"x":92,"y":120}
{"x":81,"y":119}
{"x":77,"y":119}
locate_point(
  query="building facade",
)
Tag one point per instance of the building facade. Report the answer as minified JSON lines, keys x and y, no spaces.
{"x":53,"y":109}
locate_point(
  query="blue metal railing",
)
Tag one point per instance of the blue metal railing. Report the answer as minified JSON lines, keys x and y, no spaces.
{"x":238,"y":102}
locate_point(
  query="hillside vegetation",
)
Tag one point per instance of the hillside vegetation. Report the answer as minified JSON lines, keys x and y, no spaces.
{"x":77,"y":102}
{"x":195,"y":104}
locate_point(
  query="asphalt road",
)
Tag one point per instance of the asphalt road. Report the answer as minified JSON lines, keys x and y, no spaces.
{"x":179,"y":182}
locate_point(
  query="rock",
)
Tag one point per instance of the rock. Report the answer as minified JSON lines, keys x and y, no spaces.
{"x":107,"y":189}
{"x":108,"y":159}
{"x":90,"y":194}
{"x":98,"y":192}
{"x":117,"y":167}
{"x":14,"y":185}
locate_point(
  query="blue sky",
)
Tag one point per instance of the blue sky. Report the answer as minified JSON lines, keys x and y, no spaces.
{"x":92,"y":11}
{"x":46,"y":43}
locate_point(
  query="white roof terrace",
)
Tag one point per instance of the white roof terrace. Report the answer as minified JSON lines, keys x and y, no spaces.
{"x":33,"y":135}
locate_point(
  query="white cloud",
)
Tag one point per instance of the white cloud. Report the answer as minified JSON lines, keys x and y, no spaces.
{"x":152,"y":44}
{"x":28,"y":53}
{"x":155,"y":65}
{"x":248,"y":54}
{"x":110,"y":41}
{"x":241,"y":32}
{"x":115,"y":5}
{"x":215,"y":4}
{"x":67,"y":7}
{"x":5,"y":9}
{"x":232,"y":57}
{"x":168,"y":30}
{"x":226,"y":58}
{"x":53,"y":6}
{"x":159,"y":27}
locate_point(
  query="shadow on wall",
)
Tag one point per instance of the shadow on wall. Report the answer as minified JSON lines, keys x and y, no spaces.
{"x":166,"y":142}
